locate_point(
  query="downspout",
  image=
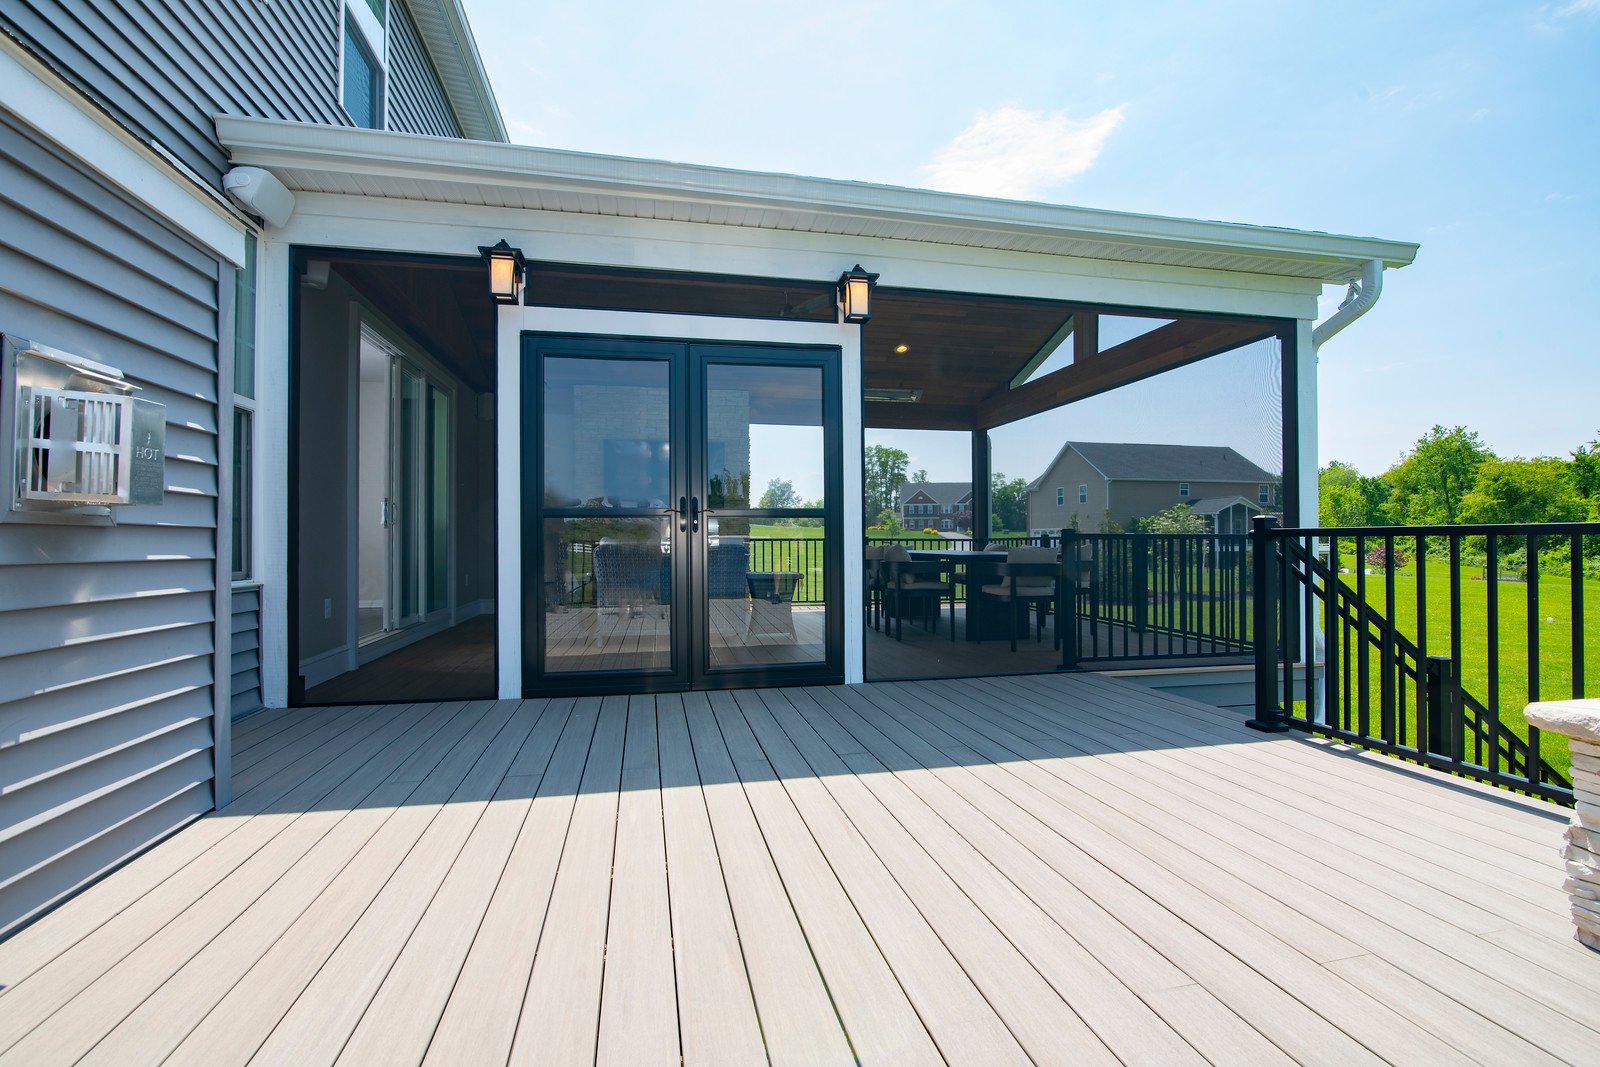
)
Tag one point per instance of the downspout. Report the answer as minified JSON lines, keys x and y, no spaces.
{"x":1357,"y":302}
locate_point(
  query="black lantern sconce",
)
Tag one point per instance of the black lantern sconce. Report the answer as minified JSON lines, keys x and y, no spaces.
{"x":855,"y":294}
{"x":506,"y":269}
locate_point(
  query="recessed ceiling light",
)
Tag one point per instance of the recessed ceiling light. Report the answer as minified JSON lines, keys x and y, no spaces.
{"x":902,"y":349}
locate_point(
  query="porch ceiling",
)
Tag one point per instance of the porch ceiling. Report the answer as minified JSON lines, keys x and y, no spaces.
{"x":963,"y":351}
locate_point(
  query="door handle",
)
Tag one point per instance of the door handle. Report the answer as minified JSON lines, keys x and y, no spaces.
{"x":683,"y":508}
{"x":694,"y":514}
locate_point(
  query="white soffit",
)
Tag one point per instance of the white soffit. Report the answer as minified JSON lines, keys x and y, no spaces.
{"x":355,"y":162}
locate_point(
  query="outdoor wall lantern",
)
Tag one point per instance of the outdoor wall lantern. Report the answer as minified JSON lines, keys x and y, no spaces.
{"x":855,"y":294}
{"x":506,"y":267}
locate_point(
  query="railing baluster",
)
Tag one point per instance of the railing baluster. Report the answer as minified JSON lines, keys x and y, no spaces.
{"x":1575,"y":578}
{"x":1390,"y":681}
{"x":1492,"y":610}
{"x":1531,"y":553}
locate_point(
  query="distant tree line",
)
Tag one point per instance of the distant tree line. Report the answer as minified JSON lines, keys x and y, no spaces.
{"x":1451,"y":477}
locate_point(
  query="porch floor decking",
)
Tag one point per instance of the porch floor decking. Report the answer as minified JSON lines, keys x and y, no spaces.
{"x":1062,"y":869}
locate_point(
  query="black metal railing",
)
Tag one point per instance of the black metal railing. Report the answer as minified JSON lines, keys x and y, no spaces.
{"x":1403,"y":640}
{"x":1147,"y":596}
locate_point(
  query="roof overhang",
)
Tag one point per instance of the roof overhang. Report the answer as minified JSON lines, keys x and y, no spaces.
{"x":448,"y":37}
{"x":342,"y":160}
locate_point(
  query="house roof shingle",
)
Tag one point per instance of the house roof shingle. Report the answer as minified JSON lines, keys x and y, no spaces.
{"x":939,"y":492}
{"x":1163,"y":463}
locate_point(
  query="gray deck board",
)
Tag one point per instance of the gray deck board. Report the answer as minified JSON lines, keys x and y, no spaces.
{"x":1036,"y":868}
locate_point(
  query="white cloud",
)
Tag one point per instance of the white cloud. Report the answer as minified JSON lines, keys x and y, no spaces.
{"x":1015,"y":153}
{"x":1578,"y":7}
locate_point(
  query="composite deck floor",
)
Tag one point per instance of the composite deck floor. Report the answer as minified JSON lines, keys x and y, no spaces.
{"x":1056,"y":869}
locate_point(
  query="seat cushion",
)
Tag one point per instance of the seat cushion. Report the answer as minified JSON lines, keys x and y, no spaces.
{"x":1030,"y":554}
{"x":896,"y":554}
{"x":921,"y":585}
{"x":1026,"y":587}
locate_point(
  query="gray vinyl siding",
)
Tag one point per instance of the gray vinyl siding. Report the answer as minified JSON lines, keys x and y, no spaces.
{"x":246,"y":652}
{"x":167,"y":68}
{"x":417,"y":103}
{"x":106,"y":633}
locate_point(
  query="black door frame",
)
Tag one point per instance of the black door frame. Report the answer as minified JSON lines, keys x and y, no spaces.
{"x":689,"y":667}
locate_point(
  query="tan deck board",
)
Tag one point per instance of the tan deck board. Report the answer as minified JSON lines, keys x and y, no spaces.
{"x":1043,"y":868}
{"x":1317,"y":893}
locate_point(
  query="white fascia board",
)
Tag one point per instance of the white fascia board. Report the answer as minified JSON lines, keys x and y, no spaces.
{"x":35,"y":95}
{"x":275,"y":144}
{"x":379,"y":223}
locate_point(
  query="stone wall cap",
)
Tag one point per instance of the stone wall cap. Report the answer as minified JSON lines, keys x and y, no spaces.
{"x":1575,"y":718}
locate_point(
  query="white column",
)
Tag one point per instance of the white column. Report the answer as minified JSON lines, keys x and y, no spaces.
{"x":508,"y":491}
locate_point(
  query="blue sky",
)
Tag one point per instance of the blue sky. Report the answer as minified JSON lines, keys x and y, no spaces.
{"x":1469,"y":127}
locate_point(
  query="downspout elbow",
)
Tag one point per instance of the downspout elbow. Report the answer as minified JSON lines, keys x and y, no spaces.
{"x":1357,"y":304}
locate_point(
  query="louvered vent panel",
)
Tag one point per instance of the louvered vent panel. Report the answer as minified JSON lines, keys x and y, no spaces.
{"x":78,"y":446}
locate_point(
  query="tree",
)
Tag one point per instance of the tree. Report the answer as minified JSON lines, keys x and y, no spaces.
{"x":1178,"y":519}
{"x":1523,"y":490}
{"x":780,"y":494}
{"x":1346,"y":497}
{"x":920,"y":477}
{"x":1008,"y":503}
{"x":884,"y":471}
{"x":1586,"y":471}
{"x":1426,"y":487}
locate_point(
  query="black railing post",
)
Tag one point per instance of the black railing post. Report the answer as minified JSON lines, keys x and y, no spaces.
{"x":1139,"y":584}
{"x":1067,"y":597}
{"x":1269,"y":717}
{"x":1439,"y":724}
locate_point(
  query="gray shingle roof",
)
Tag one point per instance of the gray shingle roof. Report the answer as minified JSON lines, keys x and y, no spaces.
{"x":940,"y":492}
{"x":1169,"y":463}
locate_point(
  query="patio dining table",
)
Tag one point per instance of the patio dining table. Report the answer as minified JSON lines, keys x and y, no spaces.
{"x":980,"y":624}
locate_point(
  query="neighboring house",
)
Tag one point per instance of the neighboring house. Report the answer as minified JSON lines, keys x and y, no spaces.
{"x":935,"y":505}
{"x":133,"y":636}
{"x":263,"y":216}
{"x":1094,"y":486}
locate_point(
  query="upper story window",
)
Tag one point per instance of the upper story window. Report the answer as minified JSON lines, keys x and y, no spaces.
{"x":1264,"y":494}
{"x":363,"y":59}
{"x":1083,"y":493}
{"x":1061,"y":495}
{"x":1183,"y":488}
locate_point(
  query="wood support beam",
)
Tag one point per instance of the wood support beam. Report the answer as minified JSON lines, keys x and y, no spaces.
{"x":1175,"y":345}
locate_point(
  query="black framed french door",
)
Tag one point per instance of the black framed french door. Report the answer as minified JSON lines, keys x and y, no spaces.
{"x":681,"y":515}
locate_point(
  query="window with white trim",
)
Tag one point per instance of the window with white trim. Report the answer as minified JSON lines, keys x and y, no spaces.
{"x":1183,"y":488}
{"x":1264,"y":494}
{"x":1083,"y":493}
{"x":1061,"y":495}
{"x":363,"y":62}
{"x":242,"y":507}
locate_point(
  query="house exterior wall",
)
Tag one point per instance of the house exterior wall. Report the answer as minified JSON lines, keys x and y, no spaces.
{"x":245,"y":656}
{"x":1069,"y":471}
{"x":166,"y":68}
{"x":108,"y":633}
{"x":417,"y":103}
{"x":1135,"y":500}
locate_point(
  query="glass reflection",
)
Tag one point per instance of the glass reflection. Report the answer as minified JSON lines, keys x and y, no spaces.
{"x":607,"y":427}
{"x":607,"y":594}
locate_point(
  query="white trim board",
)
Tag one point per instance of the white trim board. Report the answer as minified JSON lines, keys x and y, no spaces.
{"x":515,"y":321}
{"x":36,"y":96}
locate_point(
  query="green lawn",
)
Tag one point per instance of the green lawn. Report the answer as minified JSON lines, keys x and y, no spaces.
{"x":1555,"y":634}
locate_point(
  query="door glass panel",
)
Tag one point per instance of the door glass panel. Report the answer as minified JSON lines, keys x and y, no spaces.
{"x":607,"y":428}
{"x":764,"y":436}
{"x":438,"y":503}
{"x":411,"y":388}
{"x":607,"y":594}
{"x":764,"y":452}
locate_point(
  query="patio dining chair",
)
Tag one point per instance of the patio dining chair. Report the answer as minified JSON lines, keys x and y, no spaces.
{"x":1029,"y":578}
{"x":909,"y":582}
{"x":872,"y":573}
